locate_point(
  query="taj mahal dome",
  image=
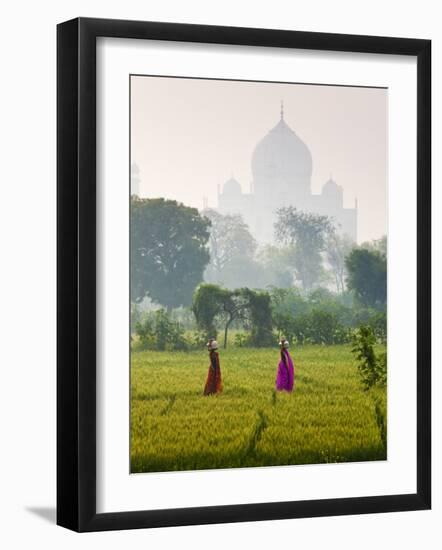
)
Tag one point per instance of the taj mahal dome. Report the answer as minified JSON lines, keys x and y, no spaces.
{"x":281,"y":171}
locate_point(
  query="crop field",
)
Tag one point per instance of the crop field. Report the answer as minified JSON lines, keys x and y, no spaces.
{"x":328,"y":418}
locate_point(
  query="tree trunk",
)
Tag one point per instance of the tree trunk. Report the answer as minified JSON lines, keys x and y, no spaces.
{"x":226,"y":329}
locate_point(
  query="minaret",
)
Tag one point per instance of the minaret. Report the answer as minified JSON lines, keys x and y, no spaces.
{"x":135,"y":180}
{"x":282,"y":109}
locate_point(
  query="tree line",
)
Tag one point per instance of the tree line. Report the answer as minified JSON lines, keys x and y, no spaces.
{"x":259,"y":318}
{"x":174,"y":248}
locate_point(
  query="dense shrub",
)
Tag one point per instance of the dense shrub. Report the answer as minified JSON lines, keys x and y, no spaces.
{"x":378,"y":323}
{"x":322,"y":317}
{"x":372,"y":367}
{"x":157,"y":330}
{"x":367,"y":276}
{"x":259,"y":313}
{"x":325,"y":328}
{"x":207,"y":302}
{"x":240,"y":339}
{"x":316,"y":327}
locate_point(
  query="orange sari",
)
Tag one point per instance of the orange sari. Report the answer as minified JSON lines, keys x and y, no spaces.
{"x":213,"y":382}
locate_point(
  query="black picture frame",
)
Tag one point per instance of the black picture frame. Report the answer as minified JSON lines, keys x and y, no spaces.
{"x":77,"y":287}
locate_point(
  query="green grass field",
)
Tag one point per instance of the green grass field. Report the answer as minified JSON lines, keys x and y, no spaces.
{"x":328,"y":418}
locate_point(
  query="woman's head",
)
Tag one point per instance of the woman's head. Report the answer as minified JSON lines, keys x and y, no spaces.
{"x":212,"y":344}
{"x":283,"y":344}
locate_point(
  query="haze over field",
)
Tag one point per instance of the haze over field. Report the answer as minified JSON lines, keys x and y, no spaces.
{"x":189,"y":136}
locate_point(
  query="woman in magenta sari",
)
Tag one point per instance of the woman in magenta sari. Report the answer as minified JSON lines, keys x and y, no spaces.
{"x":286,"y":373}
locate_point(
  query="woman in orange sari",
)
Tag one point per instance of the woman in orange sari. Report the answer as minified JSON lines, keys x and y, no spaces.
{"x":213,"y":382}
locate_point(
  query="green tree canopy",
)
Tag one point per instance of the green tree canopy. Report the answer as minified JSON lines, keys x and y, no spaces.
{"x":168,"y":251}
{"x":367,"y":276}
{"x":212,"y":303}
{"x":207,"y":303}
{"x":259,"y":309}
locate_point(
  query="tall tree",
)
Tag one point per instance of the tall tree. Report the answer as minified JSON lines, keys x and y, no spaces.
{"x":213,"y":303}
{"x":306,"y":233}
{"x":259,"y":311}
{"x":168,"y":251}
{"x":337,"y":247}
{"x":230,"y":241}
{"x":367,"y":276}
{"x":206,"y":306}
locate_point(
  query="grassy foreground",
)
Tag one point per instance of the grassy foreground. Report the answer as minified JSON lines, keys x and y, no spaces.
{"x":328,"y":418}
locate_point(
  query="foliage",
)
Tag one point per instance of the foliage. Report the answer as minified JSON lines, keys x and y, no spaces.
{"x":315,"y":327}
{"x":234,"y":306}
{"x":240,"y":339}
{"x":372,"y":367}
{"x":337,"y":248}
{"x":157,"y":330}
{"x":212,"y":303}
{"x":317,"y":317}
{"x":260,"y":316}
{"x":367,"y":276}
{"x":135,"y":315}
{"x":307,"y":233}
{"x":230,"y":240}
{"x":144,"y":329}
{"x":377,"y":245}
{"x":207,"y":304}
{"x":328,"y":418}
{"x":325,"y":328}
{"x":168,"y":251}
{"x":378,"y":323}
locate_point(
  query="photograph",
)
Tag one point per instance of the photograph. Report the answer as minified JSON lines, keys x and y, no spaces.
{"x":229,"y":329}
{"x":258,"y":273}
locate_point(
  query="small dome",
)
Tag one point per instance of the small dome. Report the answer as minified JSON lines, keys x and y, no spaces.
{"x":232,"y":187}
{"x":330,"y":187}
{"x":330,"y":184}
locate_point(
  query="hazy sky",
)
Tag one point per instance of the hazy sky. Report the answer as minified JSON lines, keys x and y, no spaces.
{"x":190,"y":135}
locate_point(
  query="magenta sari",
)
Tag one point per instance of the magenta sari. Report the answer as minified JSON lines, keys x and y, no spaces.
{"x":286,"y":372}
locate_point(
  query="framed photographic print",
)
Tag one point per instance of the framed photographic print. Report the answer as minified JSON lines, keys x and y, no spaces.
{"x":243,"y":274}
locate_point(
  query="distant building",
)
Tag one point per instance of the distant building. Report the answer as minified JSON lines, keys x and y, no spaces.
{"x":282,"y":170}
{"x":135,"y":180}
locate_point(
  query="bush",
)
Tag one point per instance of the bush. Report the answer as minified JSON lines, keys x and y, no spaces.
{"x":378,"y":323}
{"x":240,"y":339}
{"x":197,"y":339}
{"x":260,"y":316}
{"x":316,"y":327}
{"x":144,"y":329}
{"x":372,"y":368}
{"x":325,"y":328}
{"x":159,"y":331}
